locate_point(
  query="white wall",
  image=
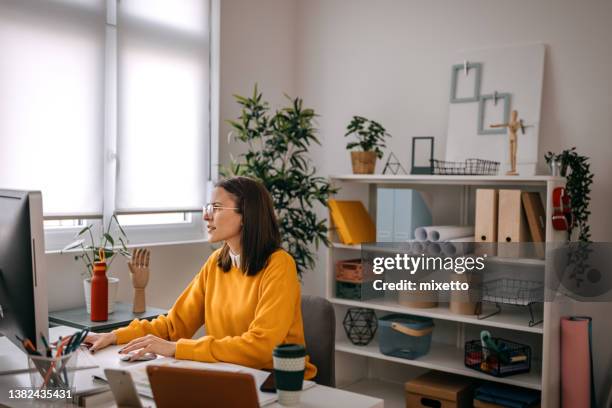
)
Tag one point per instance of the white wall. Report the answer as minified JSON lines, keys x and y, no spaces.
{"x":258,"y":45}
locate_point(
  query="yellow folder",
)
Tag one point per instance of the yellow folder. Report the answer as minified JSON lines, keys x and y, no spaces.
{"x":352,"y":221}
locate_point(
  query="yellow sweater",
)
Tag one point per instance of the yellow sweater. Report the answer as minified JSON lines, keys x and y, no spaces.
{"x":245,"y":316}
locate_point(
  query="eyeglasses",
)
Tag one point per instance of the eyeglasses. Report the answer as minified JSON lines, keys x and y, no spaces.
{"x":210,"y":209}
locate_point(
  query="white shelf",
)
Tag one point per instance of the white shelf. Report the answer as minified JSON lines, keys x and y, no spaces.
{"x":510,"y":317}
{"x":445,"y":358}
{"x":392,"y":393}
{"x":447,"y":180}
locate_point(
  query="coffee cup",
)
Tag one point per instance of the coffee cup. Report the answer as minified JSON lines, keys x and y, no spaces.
{"x":289,"y":365}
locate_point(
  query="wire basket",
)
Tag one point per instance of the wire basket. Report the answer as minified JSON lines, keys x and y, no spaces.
{"x":513,"y":292}
{"x":507,"y":358}
{"x":470,"y":167}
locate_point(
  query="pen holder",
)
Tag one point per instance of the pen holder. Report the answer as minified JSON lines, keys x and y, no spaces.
{"x":53,"y":373}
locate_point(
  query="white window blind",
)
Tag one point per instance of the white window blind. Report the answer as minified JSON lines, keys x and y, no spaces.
{"x":163,"y":105}
{"x":51,"y":102}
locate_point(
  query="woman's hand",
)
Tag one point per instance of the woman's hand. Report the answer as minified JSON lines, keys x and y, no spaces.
{"x":100,"y":340}
{"x":150,"y":344}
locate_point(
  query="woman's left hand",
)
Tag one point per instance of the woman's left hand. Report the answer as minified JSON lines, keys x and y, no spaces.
{"x":150,"y":344}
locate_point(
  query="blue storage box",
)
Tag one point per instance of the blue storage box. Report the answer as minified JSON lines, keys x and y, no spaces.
{"x":405,"y":336}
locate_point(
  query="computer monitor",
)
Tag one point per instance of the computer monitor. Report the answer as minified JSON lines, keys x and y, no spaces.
{"x":23,"y":275}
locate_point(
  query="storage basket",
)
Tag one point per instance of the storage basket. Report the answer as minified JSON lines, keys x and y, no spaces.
{"x":473,"y":167}
{"x":405,"y":336}
{"x":357,"y":291}
{"x":352,"y":271}
{"x":509,"y":358}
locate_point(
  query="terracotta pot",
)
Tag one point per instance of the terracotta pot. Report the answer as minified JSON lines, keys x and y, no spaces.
{"x":363,"y":162}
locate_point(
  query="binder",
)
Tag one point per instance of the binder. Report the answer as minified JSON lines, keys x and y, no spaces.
{"x":485,"y":226}
{"x":385,"y":207}
{"x":511,"y":224}
{"x":398,"y":213}
{"x":536,"y":217}
{"x":353,"y":223}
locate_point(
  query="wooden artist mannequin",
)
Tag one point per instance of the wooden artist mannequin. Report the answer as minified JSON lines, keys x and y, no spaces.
{"x":513,"y":126}
{"x":139,"y":272}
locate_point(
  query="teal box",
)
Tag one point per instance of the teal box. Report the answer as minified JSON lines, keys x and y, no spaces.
{"x":357,"y":291}
{"x":398,"y":213}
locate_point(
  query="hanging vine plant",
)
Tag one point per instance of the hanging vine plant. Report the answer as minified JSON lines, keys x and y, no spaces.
{"x":576,"y":169}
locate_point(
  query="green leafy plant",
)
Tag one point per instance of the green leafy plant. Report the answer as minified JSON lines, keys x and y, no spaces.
{"x":90,"y":252}
{"x":278,"y":144}
{"x":370,"y":135}
{"x":576,"y":169}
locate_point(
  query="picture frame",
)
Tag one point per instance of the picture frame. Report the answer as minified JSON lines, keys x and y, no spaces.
{"x":422,"y":154}
{"x":504,"y":98}
{"x":456,"y":72}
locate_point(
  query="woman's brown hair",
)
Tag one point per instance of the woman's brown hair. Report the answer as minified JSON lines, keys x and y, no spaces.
{"x":260,"y":235}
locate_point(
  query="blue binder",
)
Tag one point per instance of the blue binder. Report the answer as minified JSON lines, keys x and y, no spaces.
{"x":398,"y":213}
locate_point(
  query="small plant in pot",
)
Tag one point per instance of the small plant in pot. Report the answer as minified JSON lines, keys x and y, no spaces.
{"x":89,"y":252}
{"x":370,"y":139}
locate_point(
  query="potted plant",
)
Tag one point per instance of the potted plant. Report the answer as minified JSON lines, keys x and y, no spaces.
{"x":370,"y":138}
{"x":277,"y":156}
{"x":89,"y":253}
{"x":576,"y":170}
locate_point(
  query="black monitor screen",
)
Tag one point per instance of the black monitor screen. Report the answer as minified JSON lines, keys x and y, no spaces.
{"x":17,"y":268}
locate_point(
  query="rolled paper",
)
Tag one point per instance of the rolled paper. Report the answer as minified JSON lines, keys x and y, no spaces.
{"x":420,"y":233}
{"x":458,"y":246}
{"x":418,"y":247}
{"x":433,"y":249}
{"x":437,"y":233}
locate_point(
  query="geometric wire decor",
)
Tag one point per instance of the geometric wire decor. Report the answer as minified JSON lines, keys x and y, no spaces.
{"x":360,"y":325}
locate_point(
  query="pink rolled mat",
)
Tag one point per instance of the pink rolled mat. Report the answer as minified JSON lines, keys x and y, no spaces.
{"x":576,"y":365}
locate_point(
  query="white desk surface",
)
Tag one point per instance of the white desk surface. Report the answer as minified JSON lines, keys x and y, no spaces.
{"x":317,"y":396}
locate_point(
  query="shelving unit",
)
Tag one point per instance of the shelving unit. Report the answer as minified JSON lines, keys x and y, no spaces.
{"x":452,"y":199}
{"x":443,"y":357}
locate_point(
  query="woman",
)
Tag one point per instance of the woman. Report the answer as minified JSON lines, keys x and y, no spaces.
{"x":247,"y":293}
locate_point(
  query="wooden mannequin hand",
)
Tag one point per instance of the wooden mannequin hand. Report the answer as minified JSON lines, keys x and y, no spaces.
{"x":139,"y":268}
{"x":139,"y":272}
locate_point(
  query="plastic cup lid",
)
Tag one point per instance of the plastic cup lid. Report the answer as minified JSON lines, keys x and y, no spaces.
{"x":289,"y":351}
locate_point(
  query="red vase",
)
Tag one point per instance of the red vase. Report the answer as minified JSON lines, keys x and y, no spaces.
{"x":99,"y":293}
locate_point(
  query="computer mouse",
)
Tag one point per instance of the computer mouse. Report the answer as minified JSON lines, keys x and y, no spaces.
{"x":144,"y":357}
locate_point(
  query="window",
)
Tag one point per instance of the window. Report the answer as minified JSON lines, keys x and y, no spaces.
{"x":51,"y":97}
{"x":110,"y":112}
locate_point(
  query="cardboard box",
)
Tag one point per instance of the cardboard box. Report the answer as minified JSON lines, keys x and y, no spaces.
{"x":439,"y":389}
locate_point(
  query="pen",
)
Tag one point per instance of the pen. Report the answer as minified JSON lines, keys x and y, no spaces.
{"x":28,"y":346}
{"x":84,"y":334}
{"x":47,"y":348}
{"x":66,"y":349}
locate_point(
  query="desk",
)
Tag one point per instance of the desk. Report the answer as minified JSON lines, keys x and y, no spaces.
{"x":317,"y":396}
{"x":122,"y":316}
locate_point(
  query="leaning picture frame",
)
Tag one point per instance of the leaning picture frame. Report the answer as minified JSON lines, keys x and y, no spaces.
{"x":422,"y":154}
